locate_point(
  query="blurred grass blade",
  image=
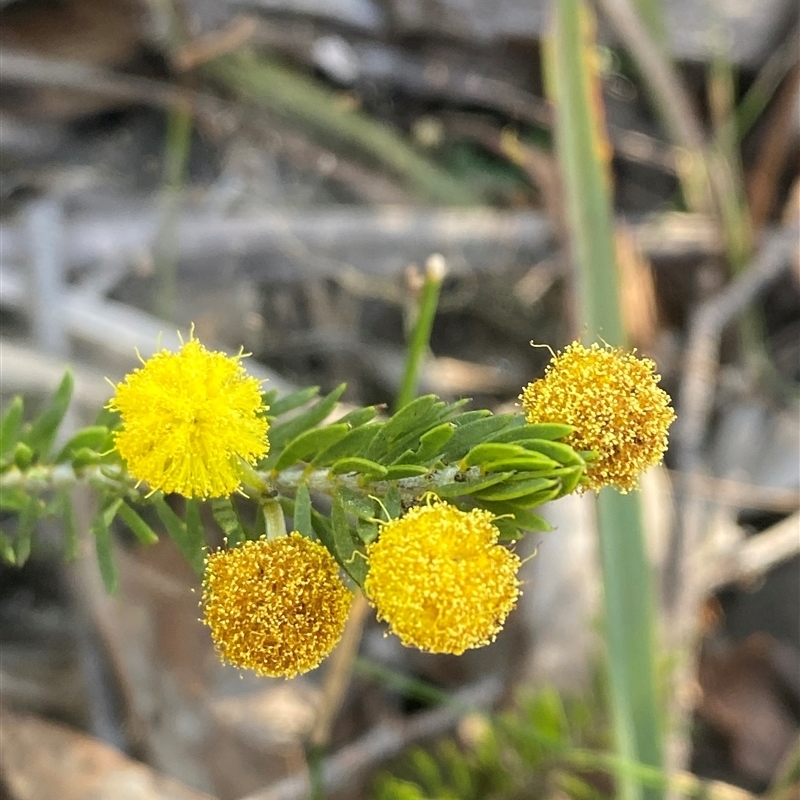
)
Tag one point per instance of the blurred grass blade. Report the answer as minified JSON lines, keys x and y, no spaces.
{"x":426,"y":305}
{"x":584,"y":152}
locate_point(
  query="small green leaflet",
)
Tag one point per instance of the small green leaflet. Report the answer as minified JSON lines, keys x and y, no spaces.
{"x":225,"y":516}
{"x":301,"y":513}
{"x":357,"y":441}
{"x":10,"y":425}
{"x":280,"y":434}
{"x":363,"y":466}
{"x":310,"y":443}
{"x":143,"y":532}
{"x":537,"y":430}
{"x":92,"y":438}
{"x":104,"y":547}
{"x":44,"y":429}
{"x":292,"y":401}
{"x":350,"y":555}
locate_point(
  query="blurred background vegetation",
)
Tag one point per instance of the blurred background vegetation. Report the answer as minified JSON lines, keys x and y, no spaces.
{"x":277,"y":172}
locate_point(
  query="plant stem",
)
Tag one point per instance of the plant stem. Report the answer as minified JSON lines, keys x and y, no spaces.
{"x":583,"y":151}
{"x":427,"y":303}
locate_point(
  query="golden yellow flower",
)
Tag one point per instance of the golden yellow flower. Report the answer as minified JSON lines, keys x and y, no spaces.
{"x":439,"y":578}
{"x":189,"y":420}
{"x":275,"y":606}
{"x":613,"y":400}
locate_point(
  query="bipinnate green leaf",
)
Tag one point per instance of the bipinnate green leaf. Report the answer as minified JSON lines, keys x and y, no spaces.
{"x":524,"y":462}
{"x":93,"y":438}
{"x":281,"y":434}
{"x":348,"y":552}
{"x":301,"y":513}
{"x":140,"y":529}
{"x":310,"y":443}
{"x":291,"y":401}
{"x":44,"y":429}
{"x":363,"y":466}
{"x":224,"y":513}
{"x":11,"y":425}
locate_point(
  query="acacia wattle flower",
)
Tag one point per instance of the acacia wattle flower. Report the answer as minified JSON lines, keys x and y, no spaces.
{"x":613,"y":400}
{"x":439,"y":578}
{"x":189,"y":420}
{"x":277,"y":606}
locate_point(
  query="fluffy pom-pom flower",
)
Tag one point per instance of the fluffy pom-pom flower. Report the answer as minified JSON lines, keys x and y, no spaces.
{"x":613,"y":400}
{"x":439,"y":578}
{"x":277,"y":607}
{"x":189,"y":420}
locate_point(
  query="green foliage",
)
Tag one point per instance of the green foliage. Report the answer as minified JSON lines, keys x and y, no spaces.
{"x":370,"y":468}
{"x":537,"y":750}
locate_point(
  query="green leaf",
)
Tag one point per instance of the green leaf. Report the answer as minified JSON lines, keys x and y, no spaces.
{"x":7,"y":550}
{"x":470,"y":486}
{"x":176,"y":528}
{"x":70,"y":526}
{"x":301,"y":513}
{"x":356,"y":442}
{"x":23,"y":456}
{"x":143,"y":532}
{"x":539,"y":498}
{"x":43,"y":432}
{"x":10,"y":425}
{"x":521,"y":517}
{"x":279,"y":435}
{"x":196,"y":536}
{"x":92,"y":438}
{"x":322,"y":527}
{"x":570,"y":477}
{"x":367,"y":531}
{"x":536,"y":430}
{"x":408,"y":417}
{"x":530,"y":462}
{"x":558,"y":451}
{"x":359,"y":416}
{"x":485,"y":452}
{"x":85,"y":457}
{"x":357,"y":504}
{"x":268,"y":399}
{"x":350,"y":556}
{"x":310,"y":444}
{"x":514,"y":489}
{"x":25,"y":527}
{"x":411,"y":439}
{"x":363,"y":466}
{"x":432,"y":442}
{"x":392,"y":502}
{"x":224,"y":513}
{"x":467,"y":436}
{"x":397,"y":471}
{"x":12,"y":498}
{"x":104,"y":547}
{"x":292,"y":401}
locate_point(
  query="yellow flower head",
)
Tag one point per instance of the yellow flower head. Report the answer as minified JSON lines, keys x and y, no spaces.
{"x":613,"y":400}
{"x":439,"y":578}
{"x":275,"y":606}
{"x":189,"y":419}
